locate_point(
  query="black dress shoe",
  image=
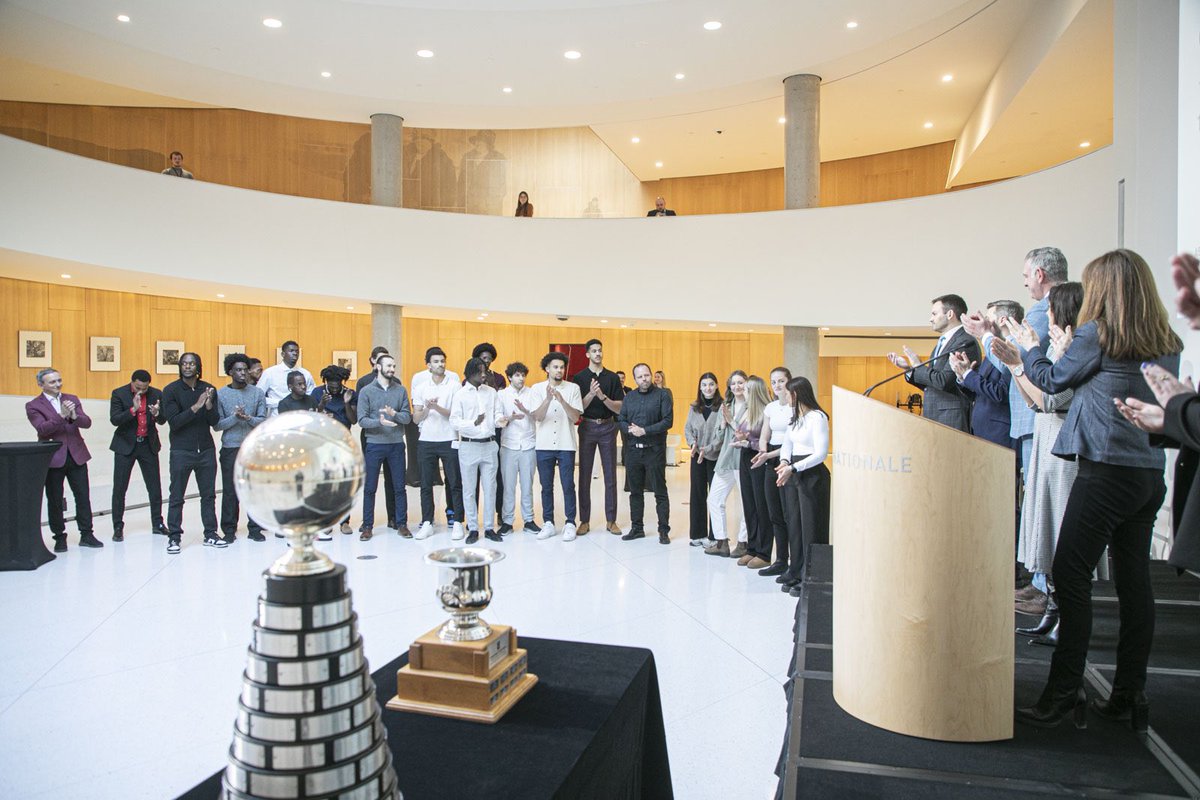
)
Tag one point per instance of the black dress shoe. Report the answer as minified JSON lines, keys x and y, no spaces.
{"x":788,"y":586}
{"x":504,"y":528}
{"x":778,"y":568}
{"x":664,"y":538}
{"x":493,"y":536}
{"x":60,"y":544}
{"x":1125,"y":704}
{"x":88,"y":540}
{"x":784,"y":579}
{"x":161,"y":530}
{"x":472,"y":537}
{"x":634,"y":533}
{"x":1048,"y":623}
{"x":1048,"y":639}
{"x":1054,"y":706}
{"x":797,"y":590}
{"x":118,"y":534}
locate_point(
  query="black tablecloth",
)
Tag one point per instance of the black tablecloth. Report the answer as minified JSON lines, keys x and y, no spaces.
{"x":23,"y":467}
{"x":591,"y":727}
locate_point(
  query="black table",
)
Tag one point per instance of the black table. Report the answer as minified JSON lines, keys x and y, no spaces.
{"x":592,"y":727}
{"x":23,"y":467}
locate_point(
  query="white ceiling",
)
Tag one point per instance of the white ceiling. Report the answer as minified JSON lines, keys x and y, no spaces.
{"x":881,"y":80}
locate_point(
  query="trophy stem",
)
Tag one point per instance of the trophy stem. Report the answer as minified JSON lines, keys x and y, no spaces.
{"x":302,"y":558}
{"x":465,"y":626}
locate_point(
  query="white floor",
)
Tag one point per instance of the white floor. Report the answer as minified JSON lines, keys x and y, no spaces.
{"x":122,"y":666}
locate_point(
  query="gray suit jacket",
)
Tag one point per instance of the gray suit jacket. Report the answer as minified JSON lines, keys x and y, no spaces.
{"x":944,"y":400}
{"x":1094,"y":429}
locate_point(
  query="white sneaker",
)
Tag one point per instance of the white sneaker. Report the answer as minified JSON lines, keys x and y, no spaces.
{"x":425,"y":531}
{"x":569,"y":532}
{"x":325,"y":536}
{"x":456,"y":531}
{"x":547,"y":531}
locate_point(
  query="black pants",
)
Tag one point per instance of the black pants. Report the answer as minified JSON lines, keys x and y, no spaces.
{"x":412,"y":472}
{"x":773,"y":495}
{"x":806,"y":509}
{"x":701,"y":475}
{"x":147,"y":460}
{"x":431,"y":454}
{"x":389,"y":500}
{"x":182,"y":464}
{"x":76,"y":475}
{"x":646,"y":469}
{"x":754,"y":508}
{"x":230,"y":508}
{"x":1112,"y":507}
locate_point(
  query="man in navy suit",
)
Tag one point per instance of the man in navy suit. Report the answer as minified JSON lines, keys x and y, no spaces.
{"x":987,"y":384}
{"x":59,"y":417}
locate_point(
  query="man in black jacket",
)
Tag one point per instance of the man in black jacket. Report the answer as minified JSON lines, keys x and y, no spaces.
{"x":135,"y":410}
{"x":646,"y":416}
{"x":190,"y":406}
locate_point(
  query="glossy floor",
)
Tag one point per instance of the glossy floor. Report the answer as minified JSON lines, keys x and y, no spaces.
{"x":122,"y":666}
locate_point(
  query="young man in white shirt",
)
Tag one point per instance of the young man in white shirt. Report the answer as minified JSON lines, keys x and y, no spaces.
{"x":433,"y":392}
{"x":274,"y":380}
{"x":517,"y":442}
{"x":558,"y":408}
{"x":473,"y":417}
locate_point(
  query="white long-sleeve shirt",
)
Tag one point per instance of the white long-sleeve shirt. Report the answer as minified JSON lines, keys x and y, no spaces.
{"x":275,"y":386}
{"x":468,"y":403}
{"x":808,"y":439}
{"x":518,"y":434}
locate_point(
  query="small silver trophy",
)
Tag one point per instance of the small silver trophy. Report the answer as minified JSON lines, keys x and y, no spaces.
{"x":465,"y":590}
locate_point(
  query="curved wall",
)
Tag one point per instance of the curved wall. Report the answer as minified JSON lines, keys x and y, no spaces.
{"x":876,"y":264}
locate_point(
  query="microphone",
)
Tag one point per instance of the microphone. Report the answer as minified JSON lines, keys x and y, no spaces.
{"x":946,"y":354}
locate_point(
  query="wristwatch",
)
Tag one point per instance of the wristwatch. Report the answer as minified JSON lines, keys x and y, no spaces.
{"x":1018,"y":370}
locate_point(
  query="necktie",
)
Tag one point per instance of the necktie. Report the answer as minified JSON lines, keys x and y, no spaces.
{"x":937,"y":351}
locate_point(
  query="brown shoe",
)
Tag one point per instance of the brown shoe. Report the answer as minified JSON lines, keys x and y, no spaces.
{"x":613,"y":527}
{"x":738,"y":551}
{"x":346,"y":529}
{"x":366,"y":534}
{"x":582,"y":528}
{"x":744,"y":559}
{"x":720,"y":548}
{"x":1034,"y":608}
{"x":757,"y":563}
{"x":404,"y":532}
{"x":1030,"y":592}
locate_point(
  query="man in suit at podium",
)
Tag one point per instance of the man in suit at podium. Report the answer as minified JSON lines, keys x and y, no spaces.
{"x":58,"y":417}
{"x":944,"y":400}
{"x":135,"y":411}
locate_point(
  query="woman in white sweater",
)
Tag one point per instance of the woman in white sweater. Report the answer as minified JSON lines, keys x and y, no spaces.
{"x":804,"y":480}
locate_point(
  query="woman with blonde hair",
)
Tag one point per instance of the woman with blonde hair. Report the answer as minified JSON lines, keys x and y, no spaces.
{"x":725,"y":473}
{"x":1119,"y":487}
{"x":747,"y":437}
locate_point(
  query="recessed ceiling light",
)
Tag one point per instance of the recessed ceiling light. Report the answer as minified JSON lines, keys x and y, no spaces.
{"x":425,"y":53}
{"x":1085,"y":144}
{"x":824,"y":329}
{"x":507,"y":90}
{"x":679,"y":76}
{"x":483,"y":313}
{"x":603,"y":321}
{"x":65,"y":275}
{"x":326,"y":74}
{"x":572,"y":54}
{"x":928,"y":124}
{"x":349,"y":308}
{"x":635,"y":139}
{"x":887,"y":334}
{"x":122,"y":18}
{"x":220,"y":295}
{"x":712,"y":25}
{"x":851,"y":24}
{"x":658,"y":164}
{"x":947,"y":78}
{"x":712,"y":324}
{"x":271,"y":22}
{"x":782,"y":120}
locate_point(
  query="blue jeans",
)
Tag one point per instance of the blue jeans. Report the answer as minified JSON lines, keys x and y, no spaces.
{"x":565,"y":459}
{"x":376,"y":455}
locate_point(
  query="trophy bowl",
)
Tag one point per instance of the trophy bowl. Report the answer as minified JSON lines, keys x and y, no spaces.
{"x":464,"y":589}
{"x":297,"y":474}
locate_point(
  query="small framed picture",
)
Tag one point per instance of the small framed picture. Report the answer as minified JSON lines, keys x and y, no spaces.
{"x":347,"y":359}
{"x":105,"y":354}
{"x":224,"y":350}
{"x":167,"y":357}
{"x":34,"y":349}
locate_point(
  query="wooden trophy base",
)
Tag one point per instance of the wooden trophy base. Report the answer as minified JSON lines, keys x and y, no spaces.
{"x":477,"y":681}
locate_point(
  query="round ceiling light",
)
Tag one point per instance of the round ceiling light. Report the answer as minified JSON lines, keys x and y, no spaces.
{"x":928,"y":125}
{"x":507,"y":90}
{"x":271,"y":22}
{"x":712,"y":25}
{"x":425,"y":53}
{"x":851,"y":24}
{"x":1085,"y":144}
{"x":327,"y":74}
{"x":122,"y":18}
{"x":572,"y":55}
{"x":679,"y":76}
{"x":947,"y":78}
{"x":658,"y":164}
{"x":636,"y":139}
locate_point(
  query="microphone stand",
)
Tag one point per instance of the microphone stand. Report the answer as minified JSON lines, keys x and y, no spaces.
{"x":946,"y":354}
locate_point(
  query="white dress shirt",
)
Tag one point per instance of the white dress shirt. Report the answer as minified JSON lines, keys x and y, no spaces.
{"x":55,"y":400}
{"x":518,"y":434}
{"x":943,"y":339}
{"x":419,"y":379}
{"x":807,"y":440}
{"x":468,"y":403}
{"x":778,"y":417}
{"x":556,"y":431}
{"x":435,"y":427}
{"x":275,"y":386}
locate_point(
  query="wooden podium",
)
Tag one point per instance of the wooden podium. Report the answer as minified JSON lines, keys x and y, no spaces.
{"x":922,"y":525}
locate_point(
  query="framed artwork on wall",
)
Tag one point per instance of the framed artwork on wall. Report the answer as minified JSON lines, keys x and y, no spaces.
{"x":105,"y":354}
{"x":347,"y":359}
{"x":167,"y":357}
{"x":224,"y":350}
{"x":34,"y":349}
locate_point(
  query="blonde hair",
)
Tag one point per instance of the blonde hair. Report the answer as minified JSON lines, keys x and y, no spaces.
{"x":756,"y":400}
{"x":1120,"y":296}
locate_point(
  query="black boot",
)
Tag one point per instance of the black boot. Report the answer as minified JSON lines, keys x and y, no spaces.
{"x":1048,"y":639}
{"x":1054,"y":706}
{"x":1048,"y":622}
{"x":1125,"y":704}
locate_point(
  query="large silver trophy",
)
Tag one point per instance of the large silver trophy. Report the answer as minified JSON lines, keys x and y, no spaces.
{"x":308,"y":722}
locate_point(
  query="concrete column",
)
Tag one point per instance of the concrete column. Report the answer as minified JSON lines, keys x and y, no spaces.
{"x":801,"y":141}
{"x":387,"y":159}
{"x":385,"y":331}
{"x":801,"y":352}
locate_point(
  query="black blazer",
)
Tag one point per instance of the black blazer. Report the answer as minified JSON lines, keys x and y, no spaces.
{"x":654,"y":212}
{"x":945,"y":401}
{"x":1182,"y":427}
{"x":125,"y":435}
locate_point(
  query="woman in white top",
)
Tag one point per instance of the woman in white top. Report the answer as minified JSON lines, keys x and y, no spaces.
{"x":725,"y":473}
{"x":777,"y":416}
{"x":704,"y":436}
{"x":804,"y":479}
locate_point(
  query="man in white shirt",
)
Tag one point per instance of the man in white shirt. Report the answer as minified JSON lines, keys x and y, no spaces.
{"x":559,"y":405}
{"x":517,"y":443}
{"x":274,"y":380}
{"x":433,"y":392}
{"x":473,"y":417}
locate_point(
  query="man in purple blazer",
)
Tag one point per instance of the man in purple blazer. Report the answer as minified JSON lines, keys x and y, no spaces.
{"x":58,"y":417}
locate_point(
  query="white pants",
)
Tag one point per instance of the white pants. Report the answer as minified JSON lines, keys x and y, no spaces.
{"x":514,"y":464}
{"x":477,"y":462}
{"x":722,"y":484}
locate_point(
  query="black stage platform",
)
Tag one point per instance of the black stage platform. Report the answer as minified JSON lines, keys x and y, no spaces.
{"x":829,"y":754}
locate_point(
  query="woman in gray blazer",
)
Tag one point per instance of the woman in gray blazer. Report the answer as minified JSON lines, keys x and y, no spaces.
{"x":1119,"y":489}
